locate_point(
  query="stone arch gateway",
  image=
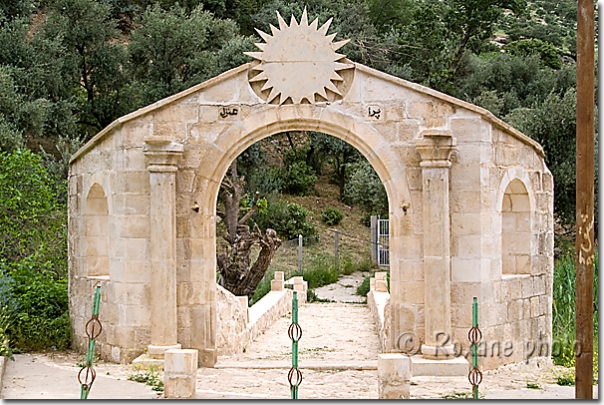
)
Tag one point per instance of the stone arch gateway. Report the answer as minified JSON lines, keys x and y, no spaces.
{"x":445,"y":164}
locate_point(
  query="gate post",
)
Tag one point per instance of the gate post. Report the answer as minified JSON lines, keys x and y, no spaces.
{"x":435,"y":147}
{"x":374,"y":240}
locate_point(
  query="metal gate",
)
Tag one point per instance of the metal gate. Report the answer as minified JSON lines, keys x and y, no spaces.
{"x":383,"y":242}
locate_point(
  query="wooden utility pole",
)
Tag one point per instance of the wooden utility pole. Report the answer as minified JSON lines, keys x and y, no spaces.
{"x":585,"y":200}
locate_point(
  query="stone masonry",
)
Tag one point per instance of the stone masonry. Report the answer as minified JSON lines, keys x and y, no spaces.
{"x":471,"y":209}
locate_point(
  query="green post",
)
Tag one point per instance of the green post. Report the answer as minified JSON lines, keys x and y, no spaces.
{"x":86,"y":386}
{"x":294,"y":387}
{"x":475,"y":345}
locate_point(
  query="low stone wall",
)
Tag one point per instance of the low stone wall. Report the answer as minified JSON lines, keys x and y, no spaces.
{"x":378,"y":301}
{"x":265,"y":312}
{"x":238,"y":325}
{"x":232,"y":323}
{"x":3,"y":361}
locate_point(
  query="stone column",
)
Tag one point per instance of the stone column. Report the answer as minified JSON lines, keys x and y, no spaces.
{"x":435,"y":147}
{"x":162,"y":156}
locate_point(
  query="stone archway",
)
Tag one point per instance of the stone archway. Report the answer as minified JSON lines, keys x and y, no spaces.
{"x":442,"y":162}
{"x":370,"y":143}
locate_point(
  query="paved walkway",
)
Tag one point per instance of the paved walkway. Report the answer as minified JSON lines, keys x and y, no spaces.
{"x":338,"y":358}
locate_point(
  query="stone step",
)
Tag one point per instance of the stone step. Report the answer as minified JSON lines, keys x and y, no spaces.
{"x":455,"y":367}
{"x":303,"y":364}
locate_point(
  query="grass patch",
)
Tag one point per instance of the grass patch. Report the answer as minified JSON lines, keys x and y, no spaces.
{"x":322,"y":271}
{"x":363,"y":289}
{"x":566,"y":379}
{"x":564,"y":332}
{"x":463,"y":395}
{"x":149,"y":376}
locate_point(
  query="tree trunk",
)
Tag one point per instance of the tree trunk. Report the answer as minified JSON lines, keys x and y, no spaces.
{"x":237,"y":274}
{"x":460,"y":50}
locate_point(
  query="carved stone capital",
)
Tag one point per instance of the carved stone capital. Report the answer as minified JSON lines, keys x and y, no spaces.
{"x":162,"y":154}
{"x":435,"y":147}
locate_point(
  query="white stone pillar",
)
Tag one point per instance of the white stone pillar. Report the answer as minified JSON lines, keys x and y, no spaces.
{"x":394,"y":376}
{"x":435,"y":147}
{"x":162,"y":156}
{"x":180,"y":373}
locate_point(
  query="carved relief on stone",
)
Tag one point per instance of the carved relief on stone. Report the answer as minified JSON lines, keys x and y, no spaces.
{"x":299,"y":64}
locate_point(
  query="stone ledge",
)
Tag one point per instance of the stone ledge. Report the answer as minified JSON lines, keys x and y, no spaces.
{"x":455,"y":367}
{"x":377,"y":302}
{"x":147,"y":362}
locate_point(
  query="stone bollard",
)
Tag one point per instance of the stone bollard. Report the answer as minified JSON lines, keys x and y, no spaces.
{"x":301,"y":287}
{"x":394,"y":374}
{"x":380,"y":283}
{"x":278,"y":283}
{"x":180,"y":373}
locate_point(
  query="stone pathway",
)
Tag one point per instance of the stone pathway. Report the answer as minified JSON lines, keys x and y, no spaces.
{"x":344,"y":290}
{"x":338,"y":359}
{"x":339,"y":343}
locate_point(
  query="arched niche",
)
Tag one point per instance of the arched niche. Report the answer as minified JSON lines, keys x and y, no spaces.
{"x":516,"y":229}
{"x":96,"y":214}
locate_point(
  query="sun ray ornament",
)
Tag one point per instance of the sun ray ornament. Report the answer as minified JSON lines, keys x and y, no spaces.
{"x":299,"y":62}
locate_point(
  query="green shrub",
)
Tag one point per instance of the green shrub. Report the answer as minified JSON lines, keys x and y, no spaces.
{"x":332,"y":216}
{"x":43,"y":317}
{"x":31,"y":219}
{"x":321,"y":271}
{"x":363,"y":289}
{"x":266,"y":180}
{"x":366,"y":190}
{"x":288,"y":219}
{"x":262,"y":288}
{"x":347,"y":265}
{"x":299,"y":178}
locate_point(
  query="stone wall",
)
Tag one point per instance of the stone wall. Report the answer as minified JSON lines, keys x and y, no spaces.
{"x":378,"y":303}
{"x":239,"y":326}
{"x":195,"y":142}
{"x":231,"y":336}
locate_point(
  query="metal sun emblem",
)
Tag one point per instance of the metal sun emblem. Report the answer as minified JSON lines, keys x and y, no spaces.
{"x":299,"y":61}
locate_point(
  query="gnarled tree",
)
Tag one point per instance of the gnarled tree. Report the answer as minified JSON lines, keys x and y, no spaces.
{"x":237,"y":274}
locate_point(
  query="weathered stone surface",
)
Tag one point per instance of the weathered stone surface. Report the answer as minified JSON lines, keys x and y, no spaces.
{"x":180,"y":373}
{"x":394,"y":375}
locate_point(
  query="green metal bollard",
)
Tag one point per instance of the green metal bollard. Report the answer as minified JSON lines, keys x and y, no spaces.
{"x":295,"y":334}
{"x":475,"y":346}
{"x":92,"y":334}
{"x":475,"y":336}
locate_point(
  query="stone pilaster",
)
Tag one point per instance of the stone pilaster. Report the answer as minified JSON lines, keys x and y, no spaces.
{"x":435,"y":147}
{"x":162,"y":157}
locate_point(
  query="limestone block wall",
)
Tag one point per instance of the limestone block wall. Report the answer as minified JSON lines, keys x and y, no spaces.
{"x":493,"y":172}
{"x":232,"y":323}
{"x":502,"y":246}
